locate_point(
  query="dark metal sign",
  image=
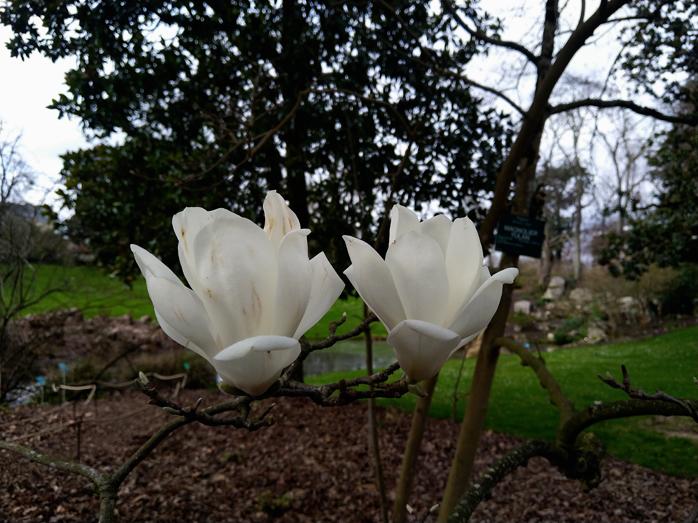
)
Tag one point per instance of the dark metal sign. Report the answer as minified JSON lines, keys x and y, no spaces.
{"x":520,"y":235}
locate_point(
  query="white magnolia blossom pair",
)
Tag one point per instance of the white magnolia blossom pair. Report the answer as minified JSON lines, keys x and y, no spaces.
{"x":431,"y":292}
{"x":254,"y":292}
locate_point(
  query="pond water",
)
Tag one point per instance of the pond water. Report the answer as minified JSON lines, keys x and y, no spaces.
{"x":23,"y":395}
{"x":346,"y":356}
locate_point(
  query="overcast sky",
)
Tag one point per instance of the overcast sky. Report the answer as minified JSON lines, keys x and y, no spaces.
{"x":29,"y":86}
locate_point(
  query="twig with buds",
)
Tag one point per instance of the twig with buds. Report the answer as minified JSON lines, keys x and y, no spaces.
{"x":639,"y":394}
{"x":194,"y":413}
{"x":346,"y":391}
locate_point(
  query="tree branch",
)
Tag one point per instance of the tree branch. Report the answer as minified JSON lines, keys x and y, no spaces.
{"x":325,"y":394}
{"x":433,"y":64}
{"x":204,"y":417}
{"x":689,"y":119}
{"x":56,"y":463}
{"x":576,"y":457}
{"x":546,"y":379}
{"x":333,"y":338}
{"x":482,"y":489}
{"x":144,"y":450}
{"x":484,"y":37}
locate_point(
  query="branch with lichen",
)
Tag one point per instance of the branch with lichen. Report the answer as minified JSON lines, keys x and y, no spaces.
{"x":546,"y":379}
{"x":575,"y":453}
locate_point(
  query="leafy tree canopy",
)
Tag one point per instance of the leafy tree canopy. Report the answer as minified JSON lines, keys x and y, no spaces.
{"x":220,"y":101}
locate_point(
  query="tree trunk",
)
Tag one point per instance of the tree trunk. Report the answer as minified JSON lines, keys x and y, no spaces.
{"x":545,"y":266}
{"x":414,"y":443}
{"x":577,"y":260}
{"x":478,"y":400}
{"x":523,"y":160}
{"x":296,"y":75}
{"x":107,"y":505}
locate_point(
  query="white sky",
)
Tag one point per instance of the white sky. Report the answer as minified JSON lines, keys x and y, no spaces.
{"x":27,"y":87}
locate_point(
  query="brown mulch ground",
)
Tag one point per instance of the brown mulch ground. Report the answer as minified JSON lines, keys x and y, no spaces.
{"x":311,"y":466}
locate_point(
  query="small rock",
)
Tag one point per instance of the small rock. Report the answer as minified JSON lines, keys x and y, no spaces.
{"x":556,"y":288}
{"x":581,"y":296}
{"x":629,"y":305}
{"x":595,"y":335}
{"x":523,"y":307}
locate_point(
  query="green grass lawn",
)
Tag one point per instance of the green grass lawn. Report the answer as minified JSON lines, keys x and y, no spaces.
{"x":96,"y":293}
{"x":520,"y":406}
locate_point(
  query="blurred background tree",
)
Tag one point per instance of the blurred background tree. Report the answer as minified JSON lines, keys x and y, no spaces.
{"x":664,"y":230}
{"x":213,"y":103}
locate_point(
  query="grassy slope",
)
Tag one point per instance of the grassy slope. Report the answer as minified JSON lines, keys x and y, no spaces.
{"x":519,"y":406}
{"x":95,"y":293}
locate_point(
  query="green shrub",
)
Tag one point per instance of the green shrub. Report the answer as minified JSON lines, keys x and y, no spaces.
{"x":680,"y":294}
{"x":525,"y":321}
{"x":571,"y":330}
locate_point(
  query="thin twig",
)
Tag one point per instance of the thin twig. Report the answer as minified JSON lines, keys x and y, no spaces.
{"x":641,"y":395}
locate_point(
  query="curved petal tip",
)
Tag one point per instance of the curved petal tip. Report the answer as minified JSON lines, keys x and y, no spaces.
{"x":422,"y":348}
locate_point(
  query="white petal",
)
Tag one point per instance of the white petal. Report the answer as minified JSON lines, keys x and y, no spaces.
{"x":293,"y":287}
{"x":150,"y":265}
{"x":187,"y":224}
{"x":189,"y":273}
{"x":179,"y":337}
{"x":325,"y":288}
{"x":417,"y":265}
{"x":402,"y":220}
{"x":236,"y":266}
{"x":477,"y":313}
{"x":422,"y":348}
{"x":181,"y":315}
{"x":279,"y":219}
{"x":439,"y":228}
{"x":254,"y":364}
{"x":463,"y":264}
{"x":371,"y":278}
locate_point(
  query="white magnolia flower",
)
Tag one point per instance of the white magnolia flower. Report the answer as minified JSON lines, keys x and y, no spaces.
{"x":253,"y":292}
{"x":431,"y":292}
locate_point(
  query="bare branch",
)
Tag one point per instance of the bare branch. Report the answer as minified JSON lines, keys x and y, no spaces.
{"x":690,"y":119}
{"x":192,"y":413}
{"x":433,"y":64}
{"x":144,"y":451}
{"x":482,"y":489}
{"x":56,"y":463}
{"x":484,"y":37}
{"x":546,"y":379}
{"x":346,"y":393}
{"x":575,"y":454}
{"x":334,"y":338}
{"x":641,"y":395}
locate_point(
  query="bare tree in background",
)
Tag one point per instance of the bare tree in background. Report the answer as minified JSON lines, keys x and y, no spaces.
{"x":15,"y":174}
{"x":19,"y":289}
{"x":574,"y":123}
{"x":627,"y":145}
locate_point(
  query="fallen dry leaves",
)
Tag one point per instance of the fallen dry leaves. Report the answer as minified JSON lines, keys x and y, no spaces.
{"x":312,"y":465}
